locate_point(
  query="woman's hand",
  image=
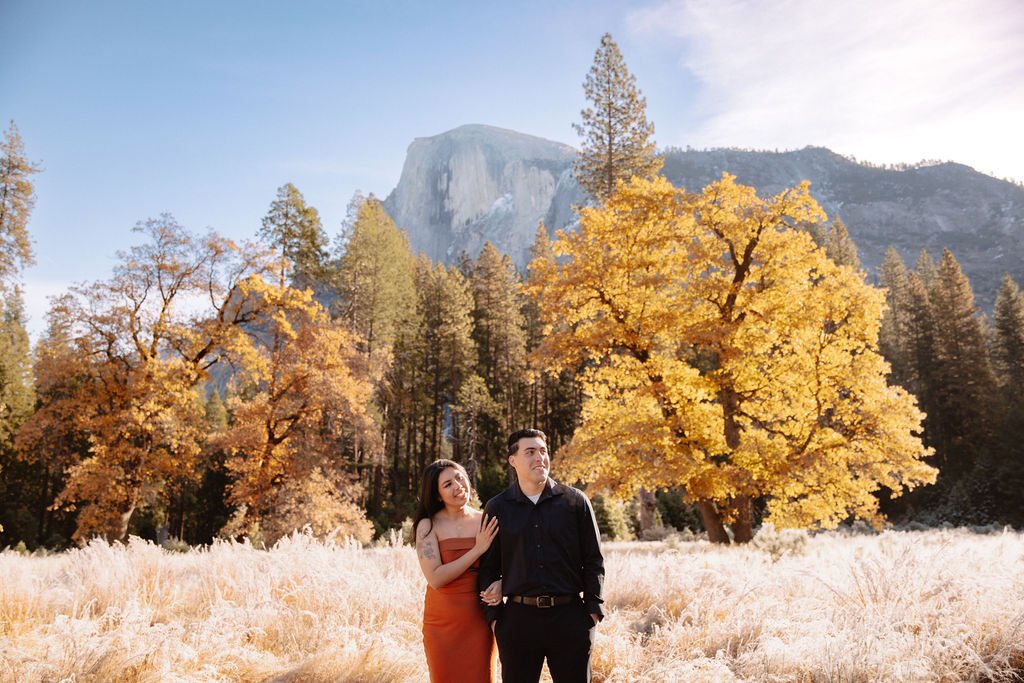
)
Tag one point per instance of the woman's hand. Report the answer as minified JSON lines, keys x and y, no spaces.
{"x":488,"y":530}
{"x":492,"y":595}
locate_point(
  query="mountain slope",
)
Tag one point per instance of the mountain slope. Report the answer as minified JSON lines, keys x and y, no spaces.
{"x":479,"y":183}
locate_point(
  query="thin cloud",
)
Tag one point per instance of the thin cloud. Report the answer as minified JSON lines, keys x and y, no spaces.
{"x":886,"y":81}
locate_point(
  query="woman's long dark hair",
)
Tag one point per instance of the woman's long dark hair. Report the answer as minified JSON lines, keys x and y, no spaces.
{"x":430,"y":498}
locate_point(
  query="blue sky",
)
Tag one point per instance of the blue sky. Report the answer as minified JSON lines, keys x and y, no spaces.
{"x":204,"y":109}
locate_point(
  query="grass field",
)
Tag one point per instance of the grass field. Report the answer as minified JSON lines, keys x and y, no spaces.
{"x":940,"y":605}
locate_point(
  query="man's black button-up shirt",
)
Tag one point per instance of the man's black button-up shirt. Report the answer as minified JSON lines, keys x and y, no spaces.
{"x":548,"y":548}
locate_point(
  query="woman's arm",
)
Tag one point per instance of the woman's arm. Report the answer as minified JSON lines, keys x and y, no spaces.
{"x":439,"y":574}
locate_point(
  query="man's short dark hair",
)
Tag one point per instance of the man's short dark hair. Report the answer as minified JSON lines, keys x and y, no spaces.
{"x":513,"y":438}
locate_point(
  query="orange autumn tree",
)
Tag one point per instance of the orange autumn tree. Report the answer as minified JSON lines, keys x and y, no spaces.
{"x":724,"y":353}
{"x":117,"y":393}
{"x":302,"y":391}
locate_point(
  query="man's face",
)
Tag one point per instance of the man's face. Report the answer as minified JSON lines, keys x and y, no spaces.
{"x":531,"y":461}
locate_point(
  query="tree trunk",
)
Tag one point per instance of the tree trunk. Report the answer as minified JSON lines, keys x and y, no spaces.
{"x":181,"y":512}
{"x":378,"y":490}
{"x":648,"y":508}
{"x":118,"y":530}
{"x":712,"y":522}
{"x":44,"y":509}
{"x":742,"y":528}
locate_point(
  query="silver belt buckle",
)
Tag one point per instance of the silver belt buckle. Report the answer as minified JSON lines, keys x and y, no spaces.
{"x":545,"y":601}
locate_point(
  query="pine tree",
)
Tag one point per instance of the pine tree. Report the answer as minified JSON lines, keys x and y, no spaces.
{"x":446,"y":354}
{"x":293,"y":228}
{"x":406,"y":415}
{"x":892,"y":336}
{"x":617,"y":141}
{"x":1009,"y":336}
{"x":375,"y":276}
{"x":500,"y":335}
{"x":1008,"y":357}
{"x":919,"y":338}
{"x":216,"y":412}
{"x":965,"y":385}
{"x":926,"y":270}
{"x":472,"y":401}
{"x":17,"y":199}
{"x":375,"y":285}
{"x":17,"y":393}
{"x":835,"y":239}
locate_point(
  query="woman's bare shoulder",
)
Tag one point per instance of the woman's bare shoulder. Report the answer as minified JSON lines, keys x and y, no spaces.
{"x":425,"y":528}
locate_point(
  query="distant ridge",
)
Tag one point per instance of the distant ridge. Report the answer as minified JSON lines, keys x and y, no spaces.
{"x":477,"y":183}
{"x":945,"y":205}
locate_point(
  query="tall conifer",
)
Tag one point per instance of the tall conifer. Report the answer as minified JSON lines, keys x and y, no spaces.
{"x":375,"y":283}
{"x":447,"y":351}
{"x":1009,"y":336}
{"x":892,"y":336}
{"x":376,"y":275}
{"x":965,"y":384}
{"x":17,"y":392}
{"x":925,"y":269}
{"x":617,"y":137}
{"x":500,"y":333}
{"x":17,"y":199}
{"x":294,"y":229}
{"x":1008,"y":356}
{"x":835,"y":238}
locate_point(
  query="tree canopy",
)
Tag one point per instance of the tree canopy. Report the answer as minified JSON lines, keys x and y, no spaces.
{"x":725,"y":353}
{"x":125,"y":367}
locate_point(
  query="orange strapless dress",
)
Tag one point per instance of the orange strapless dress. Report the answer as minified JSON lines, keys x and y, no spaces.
{"x":456,"y":637}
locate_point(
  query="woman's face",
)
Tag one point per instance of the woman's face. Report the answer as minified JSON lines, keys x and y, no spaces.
{"x":453,"y":486}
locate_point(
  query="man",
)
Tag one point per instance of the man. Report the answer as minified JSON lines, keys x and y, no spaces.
{"x":547,"y":553}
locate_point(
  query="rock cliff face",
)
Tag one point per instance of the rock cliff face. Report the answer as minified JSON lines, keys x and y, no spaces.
{"x":477,"y":183}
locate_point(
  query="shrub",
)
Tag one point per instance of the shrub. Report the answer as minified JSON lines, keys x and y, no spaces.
{"x":611,"y":518}
{"x":780,"y":542}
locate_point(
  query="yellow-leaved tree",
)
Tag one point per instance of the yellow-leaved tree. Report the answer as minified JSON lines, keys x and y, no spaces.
{"x":725,"y":353}
{"x":117,"y":374}
{"x":302,"y":389}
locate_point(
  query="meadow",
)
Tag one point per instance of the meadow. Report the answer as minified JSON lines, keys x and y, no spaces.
{"x":933,"y":605}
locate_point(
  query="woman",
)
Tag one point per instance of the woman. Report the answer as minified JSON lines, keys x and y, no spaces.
{"x":450,"y":538}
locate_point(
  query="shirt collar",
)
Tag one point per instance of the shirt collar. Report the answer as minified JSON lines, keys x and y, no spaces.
{"x":551,"y":488}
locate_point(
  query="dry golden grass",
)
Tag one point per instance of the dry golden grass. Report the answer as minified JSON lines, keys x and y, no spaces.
{"x":901,"y":606}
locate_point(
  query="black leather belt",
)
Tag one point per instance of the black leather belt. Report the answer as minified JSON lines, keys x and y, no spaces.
{"x":544,"y":600}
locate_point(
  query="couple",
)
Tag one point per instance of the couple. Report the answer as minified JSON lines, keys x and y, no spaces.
{"x":535,"y":544}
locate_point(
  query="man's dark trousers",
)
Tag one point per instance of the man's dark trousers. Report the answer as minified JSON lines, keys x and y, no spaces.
{"x":526,"y":635}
